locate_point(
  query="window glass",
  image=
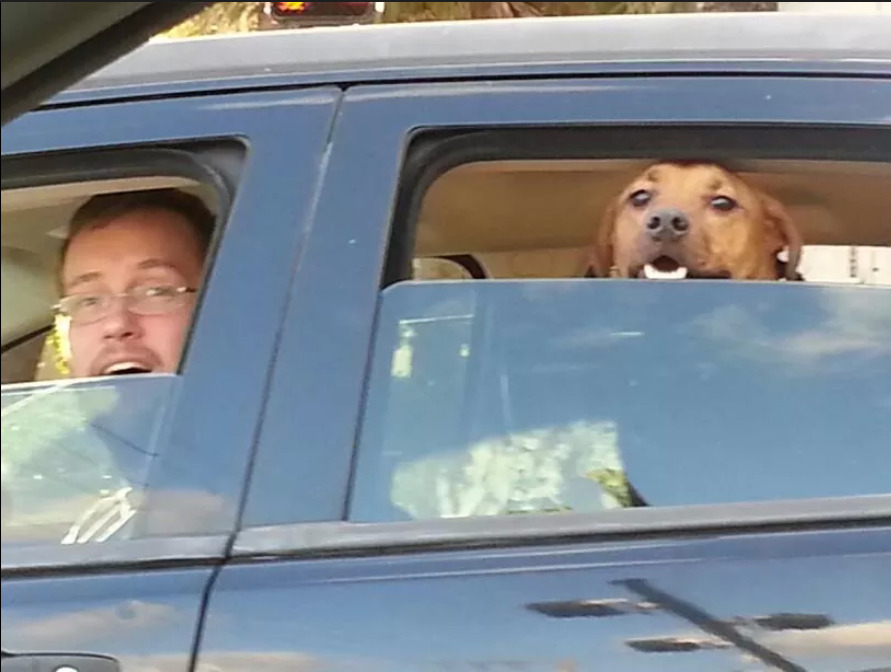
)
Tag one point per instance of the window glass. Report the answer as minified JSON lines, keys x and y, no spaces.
{"x":76,"y":456}
{"x":510,"y":396}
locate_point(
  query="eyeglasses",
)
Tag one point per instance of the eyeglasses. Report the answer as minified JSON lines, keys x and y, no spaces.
{"x":143,"y":300}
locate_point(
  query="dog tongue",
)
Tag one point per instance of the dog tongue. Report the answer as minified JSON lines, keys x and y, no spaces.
{"x":664,"y":272}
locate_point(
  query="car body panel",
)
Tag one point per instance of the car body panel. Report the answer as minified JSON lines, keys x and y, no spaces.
{"x":792,"y":601}
{"x":149,"y":624}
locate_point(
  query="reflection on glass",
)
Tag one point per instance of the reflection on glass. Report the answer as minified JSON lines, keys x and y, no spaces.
{"x":500,"y":397}
{"x":75,"y":455}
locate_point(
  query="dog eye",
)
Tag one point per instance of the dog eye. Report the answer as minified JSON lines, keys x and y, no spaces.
{"x":723,"y":203}
{"x":640,"y":198}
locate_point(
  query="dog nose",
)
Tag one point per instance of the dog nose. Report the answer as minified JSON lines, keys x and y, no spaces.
{"x":668,"y":224}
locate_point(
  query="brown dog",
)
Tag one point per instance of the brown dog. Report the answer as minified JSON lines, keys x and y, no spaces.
{"x":694,"y":220}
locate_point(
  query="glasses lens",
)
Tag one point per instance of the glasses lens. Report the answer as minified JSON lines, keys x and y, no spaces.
{"x":153,"y":299}
{"x":84,"y":308}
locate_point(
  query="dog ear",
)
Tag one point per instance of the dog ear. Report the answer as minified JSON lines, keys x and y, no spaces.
{"x":600,"y":255}
{"x":782,"y":228}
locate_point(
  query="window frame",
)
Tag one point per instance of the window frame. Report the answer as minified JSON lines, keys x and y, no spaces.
{"x":299,"y":495}
{"x":78,"y":141}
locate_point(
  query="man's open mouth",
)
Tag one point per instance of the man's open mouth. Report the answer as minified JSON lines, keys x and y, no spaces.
{"x":663,"y":268}
{"x":125,"y":368}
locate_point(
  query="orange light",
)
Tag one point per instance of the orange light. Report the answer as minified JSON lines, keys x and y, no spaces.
{"x":290,"y":6}
{"x":312,"y":12}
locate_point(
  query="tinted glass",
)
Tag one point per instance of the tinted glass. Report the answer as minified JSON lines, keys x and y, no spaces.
{"x":501,"y":397}
{"x":77,"y":455}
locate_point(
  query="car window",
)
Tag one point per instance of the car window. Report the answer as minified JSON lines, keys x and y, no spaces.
{"x":642,"y":332}
{"x":192,"y":429}
{"x":509,"y":397}
{"x":78,"y":444}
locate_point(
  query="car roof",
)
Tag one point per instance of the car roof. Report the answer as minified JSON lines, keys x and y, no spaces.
{"x":439,"y":50}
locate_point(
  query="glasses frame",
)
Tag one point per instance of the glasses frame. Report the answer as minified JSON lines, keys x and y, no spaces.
{"x":127,"y":297}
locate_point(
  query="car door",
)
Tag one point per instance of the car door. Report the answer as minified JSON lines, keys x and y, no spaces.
{"x":746,"y":557}
{"x":74,"y":586}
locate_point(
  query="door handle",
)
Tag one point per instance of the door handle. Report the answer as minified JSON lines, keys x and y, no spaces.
{"x":58,"y":662}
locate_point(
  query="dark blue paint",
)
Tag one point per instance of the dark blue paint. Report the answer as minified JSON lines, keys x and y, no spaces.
{"x":148,"y":624}
{"x":486,"y":609}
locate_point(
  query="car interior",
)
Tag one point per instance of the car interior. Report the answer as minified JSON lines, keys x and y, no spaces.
{"x":537,"y":218}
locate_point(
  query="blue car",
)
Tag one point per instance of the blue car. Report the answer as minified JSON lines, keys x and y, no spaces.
{"x":517,"y":345}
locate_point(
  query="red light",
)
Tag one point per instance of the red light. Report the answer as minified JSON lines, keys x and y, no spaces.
{"x":321,"y":10}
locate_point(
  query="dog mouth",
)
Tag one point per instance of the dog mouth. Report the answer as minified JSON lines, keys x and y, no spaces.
{"x":664,"y":267}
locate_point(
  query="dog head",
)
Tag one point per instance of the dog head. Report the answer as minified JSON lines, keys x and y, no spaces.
{"x":694,"y":220}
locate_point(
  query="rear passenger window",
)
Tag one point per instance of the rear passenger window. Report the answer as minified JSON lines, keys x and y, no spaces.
{"x":618,"y":332}
{"x":102,"y":279}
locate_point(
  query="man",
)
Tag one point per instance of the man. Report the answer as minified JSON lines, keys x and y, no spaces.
{"x":130,"y":270}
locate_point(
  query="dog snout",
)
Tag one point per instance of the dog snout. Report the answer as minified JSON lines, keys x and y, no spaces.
{"x":667,"y":225}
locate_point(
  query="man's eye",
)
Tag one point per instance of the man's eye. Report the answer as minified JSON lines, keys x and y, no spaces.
{"x":86,"y":301}
{"x":640,"y":198}
{"x":158,"y":292}
{"x":723,"y":203}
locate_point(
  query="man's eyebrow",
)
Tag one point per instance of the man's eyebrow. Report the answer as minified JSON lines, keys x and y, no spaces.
{"x":149,"y":264}
{"x":83,"y":278}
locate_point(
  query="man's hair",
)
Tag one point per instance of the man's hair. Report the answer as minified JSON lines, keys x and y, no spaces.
{"x":104,"y":208}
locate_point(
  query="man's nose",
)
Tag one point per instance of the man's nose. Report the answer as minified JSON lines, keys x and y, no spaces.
{"x":667,"y":224}
{"x":120,"y":322}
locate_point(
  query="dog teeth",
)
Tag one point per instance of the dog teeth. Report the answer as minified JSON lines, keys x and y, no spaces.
{"x":653,"y":273}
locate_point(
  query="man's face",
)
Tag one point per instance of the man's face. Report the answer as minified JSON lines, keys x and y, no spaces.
{"x":146,"y":248}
